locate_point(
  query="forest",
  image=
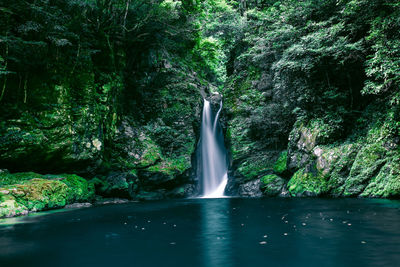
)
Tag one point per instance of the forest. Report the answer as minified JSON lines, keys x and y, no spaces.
{"x":202,"y":133}
{"x":105,"y":96}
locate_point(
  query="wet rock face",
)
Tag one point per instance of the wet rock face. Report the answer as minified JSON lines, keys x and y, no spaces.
{"x":156,"y":139}
{"x":167,"y":185}
{"x":313,"y":166}
{"x":215,"y":100}
{"x":145,"y":185}
{"x":41,"y":141}
{"x":352,"y":168}
{"x":118,"y":184}
{"x":250,"y":189}
{"x":302,"y":141}
{"x":272,"y":185}
{"x":232,"y":187}
{"x":258,"y":121}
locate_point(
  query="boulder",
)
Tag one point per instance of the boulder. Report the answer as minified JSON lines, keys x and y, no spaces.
{"x":387,"y":182}
{"x":307,"y":182}
{"x":272,"y":185}
{"x":35,"y":192}
{"x":250,"y":189}
{"x":367,"y":164}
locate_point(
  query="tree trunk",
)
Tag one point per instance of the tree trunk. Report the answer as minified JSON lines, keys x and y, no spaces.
{"x":26,"y":89}
{"x":5,"y":68}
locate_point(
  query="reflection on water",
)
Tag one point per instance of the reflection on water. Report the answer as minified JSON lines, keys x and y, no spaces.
{"x":209,"y":232}
{"x":216,"y":234}
{"x":10,"y":222}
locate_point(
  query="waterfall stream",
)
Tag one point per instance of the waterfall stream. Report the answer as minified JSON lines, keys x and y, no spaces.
{"x":213,"y":167}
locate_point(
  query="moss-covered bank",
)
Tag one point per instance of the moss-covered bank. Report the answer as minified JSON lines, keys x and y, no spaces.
{"x":21,"y":193}
{"x":365,"y":164}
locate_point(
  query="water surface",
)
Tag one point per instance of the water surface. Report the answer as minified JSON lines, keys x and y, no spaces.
{"x":209,"y":232}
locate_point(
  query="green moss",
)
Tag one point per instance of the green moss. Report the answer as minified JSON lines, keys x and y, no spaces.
{"x":253,"y":167}
{"x":151,"y":153}
{"x":79,"y":189}
{"x":171,"y":113}
{"x":172,"y":166}
{"x":8,"y":178}
{"x":181,"y":190}
{"x":42,"y":192}
{"x":39,"y":194}
{"x":272,"y":185}
{"x":10,"y":207}
{"x":366,"y":166}
{"x":386,"y":183}
{"x":326,"y":129}
{"x":305,"y":183}
{"x":336,"y":163}
{"x":280,"y":165}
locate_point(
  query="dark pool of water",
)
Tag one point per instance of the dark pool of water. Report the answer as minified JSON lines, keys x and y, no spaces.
{"x":209,"y":232}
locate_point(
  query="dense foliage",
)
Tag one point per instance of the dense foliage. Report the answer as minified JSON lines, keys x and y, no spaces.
{"x":79,"y":44}
{"x":82,"y":65}
{"x":316,"y":73}
{"x":318,"y":59}
{"x":104,"y":87}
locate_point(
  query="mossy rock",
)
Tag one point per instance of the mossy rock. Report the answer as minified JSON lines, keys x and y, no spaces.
{"x":79,"y":189}
{"x":10,"y":207}
{"x":49,"y":140}
{"x":115,"y":184}
{"x":151,"y":153}
{"x":171,"y":166}
{"x":280,"y":165}
{"x":253,"y":167}
{"x":366,"y":166}
{"x":335,"y":162}
{"x":8,"y":178}
{"x":304,"y":183}
{"x":387,"y":183}
{"x":42,"y":192}
{"x":272,"y":185}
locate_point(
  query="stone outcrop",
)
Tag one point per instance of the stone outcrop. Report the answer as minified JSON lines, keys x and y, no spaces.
{"x":22,"y":193}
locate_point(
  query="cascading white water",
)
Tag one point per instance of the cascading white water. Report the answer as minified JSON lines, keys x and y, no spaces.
{"x":213,"y":164}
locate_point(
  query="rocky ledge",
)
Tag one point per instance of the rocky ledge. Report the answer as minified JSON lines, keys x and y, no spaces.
{"x":22,"y":193}
{"x":360,"y":166}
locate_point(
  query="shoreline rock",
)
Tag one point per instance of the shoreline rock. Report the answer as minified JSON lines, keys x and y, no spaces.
{"x":21,"y":193}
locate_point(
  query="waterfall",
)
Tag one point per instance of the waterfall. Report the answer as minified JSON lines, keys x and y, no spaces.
{"x":213,"y":167}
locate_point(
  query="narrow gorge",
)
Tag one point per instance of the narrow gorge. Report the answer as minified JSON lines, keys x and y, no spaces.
{"x":300,"y":117}
{"x":243,"y":121}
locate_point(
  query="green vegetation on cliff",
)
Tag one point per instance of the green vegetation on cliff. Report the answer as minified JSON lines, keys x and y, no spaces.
{"x":99,"y":87}
{"x":318,"y":79}
{"x":113,"y":89}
